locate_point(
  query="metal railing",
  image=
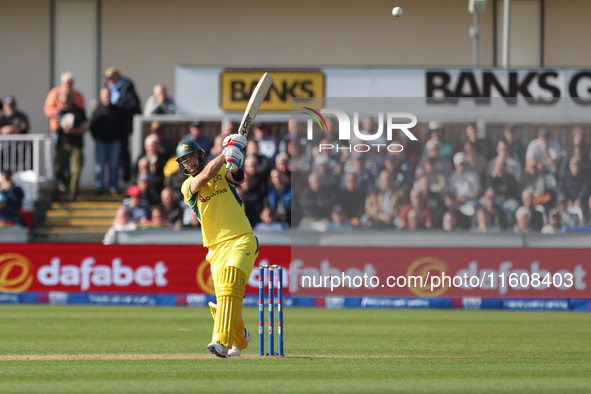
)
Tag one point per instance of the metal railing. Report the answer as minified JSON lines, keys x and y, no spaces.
{"x":27,"y":152}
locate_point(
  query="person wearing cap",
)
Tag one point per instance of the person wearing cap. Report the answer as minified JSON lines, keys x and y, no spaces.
{"x":544,"y":151}
{"x":124,"y":96}
{"x":136,"y":204}
{"x":554,"y":225}
{"x":339,"y":221}
{"x":13,"y":121}
{"x":52,"y":102}
{"x":197,"y":134}
{"x":69,"y":125}
{"x":436,"y":133}
{"x":465,"y":184}
{"x":107,"y":129}
{"x":159,"y":102}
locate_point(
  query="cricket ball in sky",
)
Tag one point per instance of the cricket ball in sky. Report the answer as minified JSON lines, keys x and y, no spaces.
{"x":397,"y":11}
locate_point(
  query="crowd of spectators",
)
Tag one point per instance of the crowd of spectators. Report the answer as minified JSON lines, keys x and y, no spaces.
{"x":469,"y":184}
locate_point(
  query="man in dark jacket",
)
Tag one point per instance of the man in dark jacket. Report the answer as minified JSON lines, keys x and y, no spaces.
{"x":107,"y":129}
{"x":124,"y":96}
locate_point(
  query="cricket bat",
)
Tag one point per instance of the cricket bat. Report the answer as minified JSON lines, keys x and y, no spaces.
{"x":254,"y":104}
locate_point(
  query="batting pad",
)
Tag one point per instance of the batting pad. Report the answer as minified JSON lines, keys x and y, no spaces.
{"x":239,"y":338}
{"x":229,"y":293}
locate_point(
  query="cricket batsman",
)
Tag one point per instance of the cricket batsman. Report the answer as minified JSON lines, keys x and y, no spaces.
{"x":210,"y":190}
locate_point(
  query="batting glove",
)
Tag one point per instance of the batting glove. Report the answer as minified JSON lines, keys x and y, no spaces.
{"x":237,"y":140}
{"x":233,"y":157}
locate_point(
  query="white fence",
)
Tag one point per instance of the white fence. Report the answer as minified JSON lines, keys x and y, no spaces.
{"x":27,"y":153}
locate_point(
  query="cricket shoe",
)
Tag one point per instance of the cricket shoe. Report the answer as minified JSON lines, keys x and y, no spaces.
{"x":236,"y":351}
{"x":218,"y":349}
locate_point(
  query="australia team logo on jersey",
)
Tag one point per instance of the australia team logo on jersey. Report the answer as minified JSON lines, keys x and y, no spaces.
{"x":217,"y":177}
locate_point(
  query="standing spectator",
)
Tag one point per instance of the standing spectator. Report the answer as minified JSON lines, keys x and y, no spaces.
{"x":53,"y":104}
{"x":13,"y":121}
{"x":464,"y":183}
{"x":124,"y":96}
{"x":267,"y":143}
{"x":107,"y":129}
{"x":14,"y":194}
{"x":574,"y":185}
{"x":171,"y":208}
{"x":197,"y":134}
{"x":545,"y":152}
{"x":384,"y":202}
{"x":279,"y":196}
{"x":159,"y":102}
{"x":515,"y":149}
{"x":70,"y":125}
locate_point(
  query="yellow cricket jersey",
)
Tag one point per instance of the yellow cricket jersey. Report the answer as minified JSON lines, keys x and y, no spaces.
{"x":218,"y":208}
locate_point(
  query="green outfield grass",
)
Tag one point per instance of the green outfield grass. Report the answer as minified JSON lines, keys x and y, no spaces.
{"x":82,"y":349}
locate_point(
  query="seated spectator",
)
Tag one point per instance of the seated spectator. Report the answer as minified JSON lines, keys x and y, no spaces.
{"x":512,"y":166}
{"x":480,"y":145}
{"x":356,"y":165}
{"x":569,"y":215}
{"x":545,"y":152}
{"x":149,"y":192}
{"x":339,"y":220}
{"x":554,"y":225}
{"x":483,"y":223}
{"x":449,"y":222}
{"x":258,"y":180}
{"x":159,"y":102}
{"x":424,"y":215}
{"x":253,"y":196}
{"x":157,"y":219}
{"x":442,"y":164}
{"x":171,"y":208}
{"x":581,"y":152}
{"x":229,"y":128}
{"x":400,"y":168}
{"x":9,"y":217}
{"x":535,"y":180}
{"x":474,"y":161}
{"x":267,"y":143}
{"x":437,"y":181}
{"x":451,"y":205}
{"x":412,"y":221}
{"x":174,"y":179}
{"x":14,"y":194}
{"x":436,"y":133}
{"x":269,"y":222}
{"x":152,"y":162}
{"x":294,"y":134}
{"x":504,"y":185}
{"x":498,"y":216}
{"x":522,"y":220}
{"x":263,"y":163}
{"x":535,"y":218}
{"x":136,"y":206}
{"x":282,"y":163}
{"x":465,"y":184}
{"x":167,"y":146}
{"x":121,"y":222}
{"x":197,"y":134}
{"x":279,"y":196}
{"x":325,"y":169}
{"x":515,"y":149}
{"x":575,"y":185}
{"x":350,"y":198}
{"x":316,"y":201}
{"x":383,"y":203}
{"x":587,"y":218}
{"x":432,"y":200}
{"x":217,"y":147}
